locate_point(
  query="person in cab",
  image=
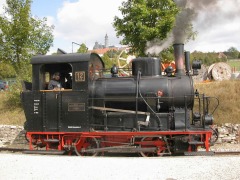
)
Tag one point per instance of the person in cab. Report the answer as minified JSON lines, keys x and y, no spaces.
{"x":55,"y":83}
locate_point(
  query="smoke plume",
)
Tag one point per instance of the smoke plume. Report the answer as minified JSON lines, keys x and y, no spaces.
{"x":190,"y":11}
{"x":156,"y":46}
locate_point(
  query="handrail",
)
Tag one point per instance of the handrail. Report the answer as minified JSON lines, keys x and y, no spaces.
{"x":55,"y":90}
{"x":216,"y":105}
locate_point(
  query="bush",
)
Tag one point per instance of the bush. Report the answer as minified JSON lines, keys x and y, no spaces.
{"x":13,"y":96}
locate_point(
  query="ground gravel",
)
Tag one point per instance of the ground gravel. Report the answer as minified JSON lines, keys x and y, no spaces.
{"x":19,"y":166}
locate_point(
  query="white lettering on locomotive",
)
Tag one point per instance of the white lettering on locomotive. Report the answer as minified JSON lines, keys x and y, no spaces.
{"x":36,"y":106}
{"x":74,"y":127}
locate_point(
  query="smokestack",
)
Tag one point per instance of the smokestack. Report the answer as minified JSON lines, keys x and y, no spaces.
{"x":179,"y":58}
{"x":187,"y":62}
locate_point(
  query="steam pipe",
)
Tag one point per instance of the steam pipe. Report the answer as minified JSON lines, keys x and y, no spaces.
{"x":179,"y":58}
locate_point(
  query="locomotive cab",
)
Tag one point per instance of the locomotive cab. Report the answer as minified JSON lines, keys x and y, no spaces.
{"x":60,"y":110}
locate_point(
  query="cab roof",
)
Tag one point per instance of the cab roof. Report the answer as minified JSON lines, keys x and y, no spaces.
{"x":65,"y":58}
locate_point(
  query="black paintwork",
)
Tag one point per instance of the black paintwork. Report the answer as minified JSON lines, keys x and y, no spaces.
{"x":167,"y":100}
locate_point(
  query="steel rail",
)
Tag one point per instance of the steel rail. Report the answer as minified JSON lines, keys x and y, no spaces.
{"x":13,"y":150}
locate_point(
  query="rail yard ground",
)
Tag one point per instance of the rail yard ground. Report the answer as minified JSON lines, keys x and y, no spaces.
{"x":18,"y":166}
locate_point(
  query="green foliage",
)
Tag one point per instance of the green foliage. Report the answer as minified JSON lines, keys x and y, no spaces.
{"x":40,"y":36}
{"x":83,"y":48}
{"x":167,"y":55}
{"x":207,"y":58}
{"x":108,"y":61}
{"x":235,"y":64}
{"x":232,"y":53}
{"x":113,"y":54}
{"x":7,"y":71}
{"x":13,"y":95}
{"x":22,"y":36}
{"x":143,"y":21}
{"x":111,"y":57}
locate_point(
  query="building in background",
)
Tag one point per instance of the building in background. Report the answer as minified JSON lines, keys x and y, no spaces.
{"x":103,"y":48}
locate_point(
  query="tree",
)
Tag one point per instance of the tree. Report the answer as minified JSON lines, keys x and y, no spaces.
{"x":22,"y":36}
{"x":206,"y":58}
{"x":233,"y":52}
{"x":7,"y":71}
{"x":83,"y":48}
{"x":112,"y":53}
{"x":144,"y":21}
{"x":107,"y":61}
{"x":167,"y":55}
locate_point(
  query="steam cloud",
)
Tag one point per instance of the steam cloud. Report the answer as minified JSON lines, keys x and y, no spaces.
{"x":202,"y":10}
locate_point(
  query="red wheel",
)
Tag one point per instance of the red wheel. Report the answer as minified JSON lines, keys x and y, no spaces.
{"x":83,"y":148}
{"x":153,"y":142}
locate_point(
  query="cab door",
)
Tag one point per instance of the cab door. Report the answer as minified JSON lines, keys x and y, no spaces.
{"x":66,"y":111}
{"x":74,"y":111}
{"x":51,"y":112}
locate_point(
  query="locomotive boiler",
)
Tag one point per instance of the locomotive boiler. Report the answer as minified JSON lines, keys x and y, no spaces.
{"x":150,"y":112}
{"x":146,"y":93}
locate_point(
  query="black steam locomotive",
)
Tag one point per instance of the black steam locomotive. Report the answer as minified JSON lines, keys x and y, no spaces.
{"x":151,"y":112}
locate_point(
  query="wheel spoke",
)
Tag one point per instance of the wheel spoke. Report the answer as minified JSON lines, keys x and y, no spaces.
{"x":89,"y":143}
{"x":150,"y":142}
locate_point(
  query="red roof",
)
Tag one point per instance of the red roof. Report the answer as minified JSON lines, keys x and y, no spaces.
{"x":102,"y":51}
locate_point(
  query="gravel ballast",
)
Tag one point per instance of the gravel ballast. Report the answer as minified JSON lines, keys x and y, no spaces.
{"x":22,"y":166}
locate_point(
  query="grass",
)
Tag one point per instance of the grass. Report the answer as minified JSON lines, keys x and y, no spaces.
{"x":234,"y":64}
{"x":9,"y":115}
{"x":228,"y":94}
{"x":226,"y":91}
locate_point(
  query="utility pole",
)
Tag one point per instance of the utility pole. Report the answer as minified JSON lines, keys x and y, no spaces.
{"x":76,"y":44}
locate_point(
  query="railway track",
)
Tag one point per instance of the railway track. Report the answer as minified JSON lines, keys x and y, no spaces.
{"x":227,"y":153}
{"x":23,"y":150}
{"x":12,"y":149}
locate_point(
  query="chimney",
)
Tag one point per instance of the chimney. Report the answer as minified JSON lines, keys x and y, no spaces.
{"x":179,"y":58}
{"x":187,"y":62}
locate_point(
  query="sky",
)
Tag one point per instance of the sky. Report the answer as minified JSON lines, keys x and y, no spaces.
{"x":88,"y":21}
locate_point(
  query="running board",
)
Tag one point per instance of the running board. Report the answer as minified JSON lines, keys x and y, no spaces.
{"x":199,"y":153}
{"x":50,"y":152}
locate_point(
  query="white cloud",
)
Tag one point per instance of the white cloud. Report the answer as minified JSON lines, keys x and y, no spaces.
{"x":86,"y":21}
{"x":2,"y":3}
